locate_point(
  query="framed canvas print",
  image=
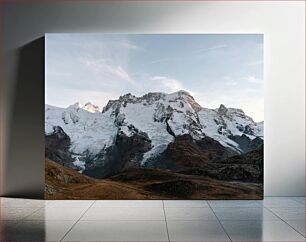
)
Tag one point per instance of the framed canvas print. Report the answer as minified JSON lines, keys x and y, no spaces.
{"x":154,"y":116}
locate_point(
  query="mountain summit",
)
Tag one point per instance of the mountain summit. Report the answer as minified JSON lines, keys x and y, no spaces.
{"x":91,"y":107}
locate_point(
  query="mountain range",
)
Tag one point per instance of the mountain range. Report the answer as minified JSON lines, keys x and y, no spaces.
{"x":156,"y":130}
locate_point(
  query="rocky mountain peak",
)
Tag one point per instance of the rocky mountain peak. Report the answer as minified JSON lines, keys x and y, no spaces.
{"x":151,"y":98}
{"x":59,"y":132}
{"x":183,"y":93}
{"x":222,"y":109}
{"x":127,"y":97}
{"x":122,"y":100}
{"x":91,"y":107}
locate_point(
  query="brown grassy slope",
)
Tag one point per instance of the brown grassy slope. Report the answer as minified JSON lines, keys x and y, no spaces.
{"x":65,"y":183}
{"x":172,"y":185}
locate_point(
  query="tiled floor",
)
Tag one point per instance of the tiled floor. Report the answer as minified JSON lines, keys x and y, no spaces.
{"x":274,"y":219}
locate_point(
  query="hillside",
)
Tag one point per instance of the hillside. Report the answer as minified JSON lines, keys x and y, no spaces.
{"x":65,"y":183}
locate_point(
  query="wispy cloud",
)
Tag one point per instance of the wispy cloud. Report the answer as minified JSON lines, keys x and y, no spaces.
{"x":129,"y":45}
{"x":107,"y":69}
{"x":216,"y":47}
{"x":252,"y":79}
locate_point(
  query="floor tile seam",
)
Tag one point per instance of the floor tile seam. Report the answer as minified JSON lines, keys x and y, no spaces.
{"x":220,"y":223}
{"x":50,"y":220}
{"x":254,"y":220}
{"x":125,"y":220}
{"x":286,"y":223}
{"x":185,"y":207}
{"x":66,"y":207}
{"x":203,"y":220}
{"x":240,"y":207}
{"x":270,"y":209}
{"x":87,"y":206}
{"x":165,"y":217}
{"x":127,"y":207}
{"x":73,"y":225}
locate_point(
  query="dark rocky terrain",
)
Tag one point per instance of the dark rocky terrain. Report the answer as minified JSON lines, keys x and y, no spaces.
{"x":57,"y":147}
{"x":125,"y":153}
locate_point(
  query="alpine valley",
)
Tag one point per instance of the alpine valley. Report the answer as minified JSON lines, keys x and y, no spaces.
{"x":157,"y":146}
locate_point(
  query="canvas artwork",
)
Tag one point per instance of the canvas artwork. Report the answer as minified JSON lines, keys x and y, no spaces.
{"x":154,"y":116}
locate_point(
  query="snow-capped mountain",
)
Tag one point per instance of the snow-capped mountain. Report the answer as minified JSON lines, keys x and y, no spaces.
{"x":222,"y":124}
{"x":88,"y":131}
{"x":156,"y":118}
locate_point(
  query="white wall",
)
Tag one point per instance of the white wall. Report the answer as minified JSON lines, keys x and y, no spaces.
{"x":282,"y":23}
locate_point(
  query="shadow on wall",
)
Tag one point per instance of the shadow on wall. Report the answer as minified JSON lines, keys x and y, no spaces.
{"x":26,"y":134}
{"x":31,"y":230}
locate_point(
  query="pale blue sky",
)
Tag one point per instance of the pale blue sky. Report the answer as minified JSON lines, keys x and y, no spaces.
{"x":214,"y":68}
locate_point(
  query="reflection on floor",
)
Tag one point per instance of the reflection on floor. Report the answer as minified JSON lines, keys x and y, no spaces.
{"x":274,"y":219}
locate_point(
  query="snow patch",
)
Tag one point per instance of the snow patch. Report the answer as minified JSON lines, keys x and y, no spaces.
{"x":79,"y":163}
